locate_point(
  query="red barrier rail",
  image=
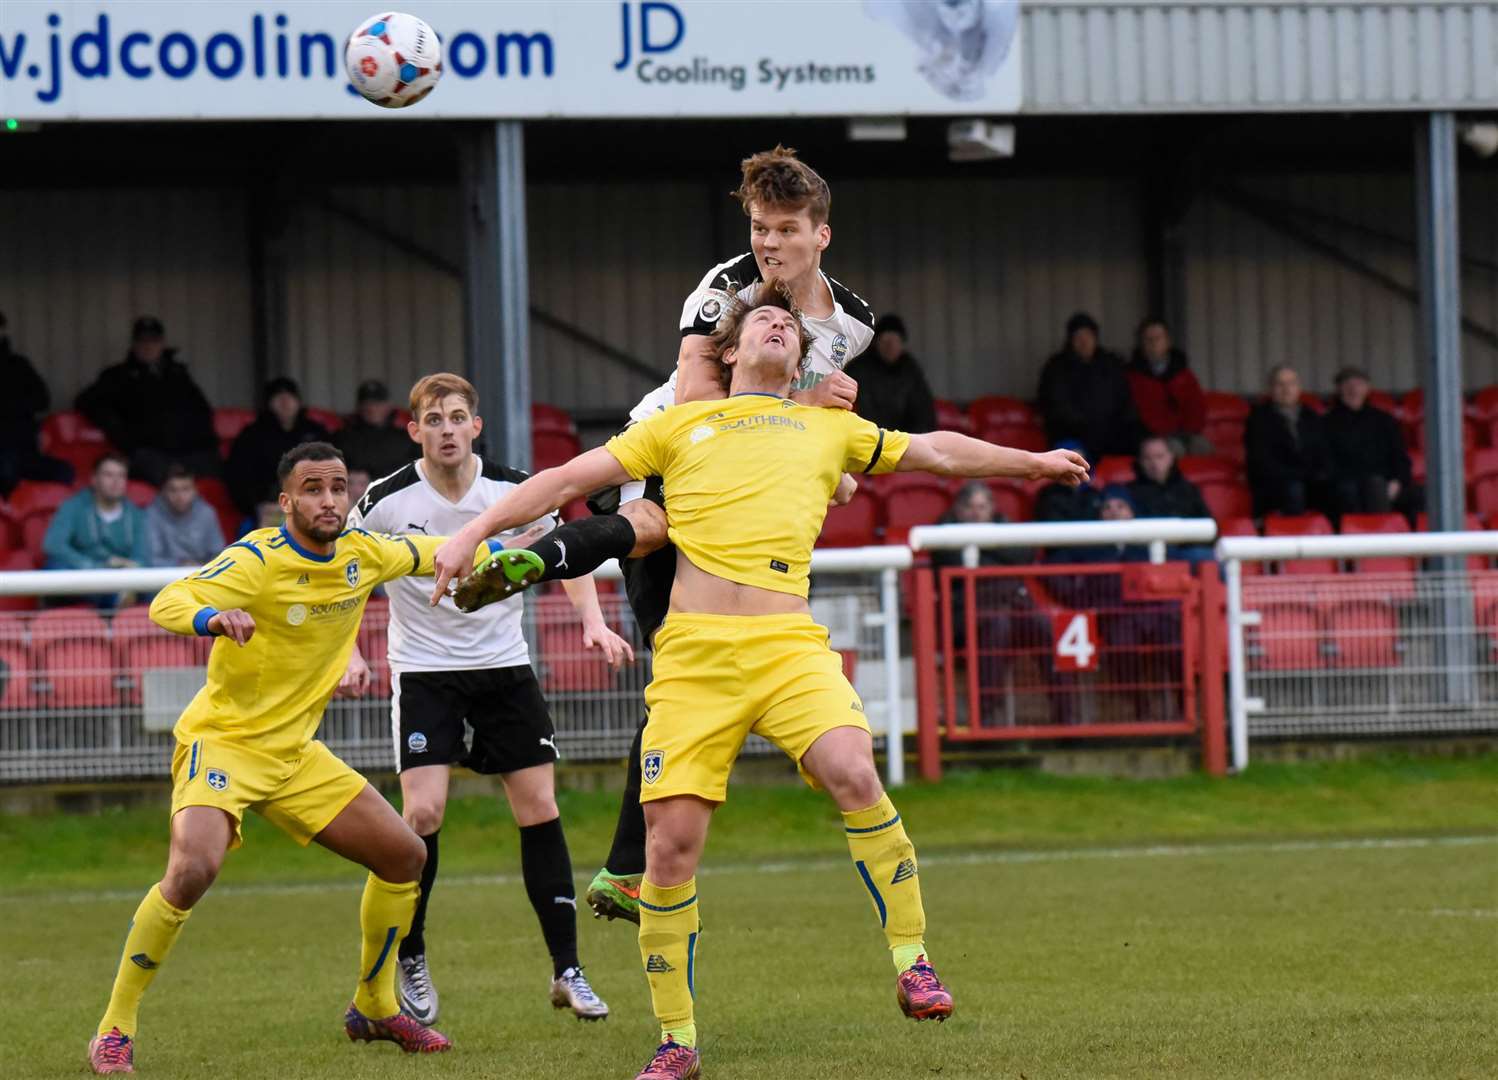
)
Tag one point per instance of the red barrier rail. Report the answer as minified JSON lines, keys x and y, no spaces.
{"x":1094,"y":650}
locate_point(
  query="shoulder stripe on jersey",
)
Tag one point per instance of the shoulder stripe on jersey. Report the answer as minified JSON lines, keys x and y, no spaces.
{"x":852,"y":303}
{"x":416,"y":555}
{"x":402,"y":478}
{"x":493,"y":470}
{"x":740,"y":272}
{"x":247,"y":544}
{"x":878,"y":449}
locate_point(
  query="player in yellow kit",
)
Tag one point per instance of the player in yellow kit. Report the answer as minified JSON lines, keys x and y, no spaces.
{"x":286,"y":605}
{"x":747,"y":481}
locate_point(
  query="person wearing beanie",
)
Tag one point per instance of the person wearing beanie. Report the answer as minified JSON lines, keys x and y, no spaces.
{"x":1084,"y":394}
{"x":282,"y":424}
{"x":892,"y":388}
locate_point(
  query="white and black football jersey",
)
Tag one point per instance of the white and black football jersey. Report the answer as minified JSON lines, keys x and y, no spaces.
{"x":424,"y":638}
{"x":835,"y":340}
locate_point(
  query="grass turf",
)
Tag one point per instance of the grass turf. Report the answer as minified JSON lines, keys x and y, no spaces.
{"x":1267,"y":947}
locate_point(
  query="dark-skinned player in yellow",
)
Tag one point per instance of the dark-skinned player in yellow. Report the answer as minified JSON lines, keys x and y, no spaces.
{"x":285,"y":605}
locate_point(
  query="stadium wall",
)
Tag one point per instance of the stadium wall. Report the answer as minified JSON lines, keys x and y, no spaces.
{"x":985,"y":272}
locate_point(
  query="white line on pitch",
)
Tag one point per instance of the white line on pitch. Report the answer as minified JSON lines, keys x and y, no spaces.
{"x":969,"y":858}
{"x":1456,"y":913}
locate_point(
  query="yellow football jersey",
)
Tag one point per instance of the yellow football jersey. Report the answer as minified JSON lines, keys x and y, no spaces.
{"x":270,"y":693}
{"x":747,"y":479}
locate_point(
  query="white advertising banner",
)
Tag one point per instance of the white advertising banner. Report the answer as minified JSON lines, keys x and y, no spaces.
{"x":234,"y":59}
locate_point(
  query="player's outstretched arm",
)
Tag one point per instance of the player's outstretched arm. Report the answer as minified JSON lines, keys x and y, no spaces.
{"x":596,"y":633}
{"x":699,"y":377}
{"x":947,"y":453}
{"x":536,"y":497}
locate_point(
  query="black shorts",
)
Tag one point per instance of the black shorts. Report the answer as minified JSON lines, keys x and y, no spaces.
{"x":431,"y":710}
{"x":647,"y":581}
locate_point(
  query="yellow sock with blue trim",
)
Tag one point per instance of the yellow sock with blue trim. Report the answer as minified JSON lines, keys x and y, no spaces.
{"x":885,"y":860}
{"x":153,"y":932}
{"x":385,"y":915}
{"x":668,"y":948}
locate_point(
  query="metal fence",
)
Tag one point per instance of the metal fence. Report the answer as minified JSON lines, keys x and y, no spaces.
{"x":90,"y":695}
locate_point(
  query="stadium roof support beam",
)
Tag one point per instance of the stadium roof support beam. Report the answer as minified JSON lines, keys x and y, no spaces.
{"x":496,"y":288}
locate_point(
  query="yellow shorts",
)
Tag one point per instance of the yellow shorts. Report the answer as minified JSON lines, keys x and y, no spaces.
{"x":300,"y":795}
{"x":719,"y":677}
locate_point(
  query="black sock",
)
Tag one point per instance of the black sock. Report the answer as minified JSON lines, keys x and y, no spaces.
{"x":582,"y":546}
{"x":415,"y":942}
{"x":547,"y":869}
{"x":627,"y":856}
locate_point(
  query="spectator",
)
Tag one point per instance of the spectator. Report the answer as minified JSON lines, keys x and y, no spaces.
{"x":358,"y":484}
{"x":1057,"y":502}
{"x":1167,"y":396}
{"x":1285,"y":447}
{"x":1008,"y":623}
{"x":1159,"y":489}
{"x":1084,"y":394}
{"x":183,"y":529}
{"x":892,"y":388}
{"x":282,"y":424}
{"x":151,"y":410}
{"x":98,"y":527}
{"x":369,"y":439}
{"x":26,"y":397}
{"x":1367,"y":465}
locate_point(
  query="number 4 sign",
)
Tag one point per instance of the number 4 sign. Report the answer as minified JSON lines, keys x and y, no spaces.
{"x":1073,"y":640}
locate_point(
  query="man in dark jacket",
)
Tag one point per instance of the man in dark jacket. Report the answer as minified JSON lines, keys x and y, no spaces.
{"x":26,"y":397}
{"x":1159,"y":489}
{"x":1285,"y":447}
{"x":892,"y":388}
{"x":368,"y":438}
{"x":281,"y":425}
{"x":1084,"y":394}
{"x":1367,"y":464}
{"x":151,"y":409}
{"x":1166,"y":394}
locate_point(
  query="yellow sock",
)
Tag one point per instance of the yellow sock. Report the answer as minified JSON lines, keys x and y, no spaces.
{"x":668,"y":948}
{"x":885,"y":860}
{"x":152,"y":934}
{"x":384,"y":919}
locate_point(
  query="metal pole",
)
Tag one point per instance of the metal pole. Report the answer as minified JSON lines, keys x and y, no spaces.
{"x":1237,"y":674}
{"x":1438,"y":244}
{"x":894,"y":741}
{"x":496,"y":286}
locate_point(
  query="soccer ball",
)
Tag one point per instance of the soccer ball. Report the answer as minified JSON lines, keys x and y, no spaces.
{"x":393,"y":60}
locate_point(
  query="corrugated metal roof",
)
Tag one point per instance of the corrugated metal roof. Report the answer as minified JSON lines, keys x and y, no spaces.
{"x":1243,"y":55}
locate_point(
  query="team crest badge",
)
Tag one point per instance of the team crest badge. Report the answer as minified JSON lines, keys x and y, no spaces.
{"x":217,"y":779}
{"x":711,"y":308}
{"x":351,"y":573}
{"x":416,"y":742}
{"x":840,"y":350}
{"x":700,"y":433}
{"x":650,"y":765}
{"x":296,"y":614}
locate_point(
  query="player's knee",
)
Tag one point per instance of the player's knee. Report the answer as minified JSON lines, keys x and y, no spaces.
{"x":649,"y":522}
{"x":536,"y":810}
{"x":404,"y":862}
{"x":424,"y":818}
{"x":854,"y":784}
{"x":188,"y":876}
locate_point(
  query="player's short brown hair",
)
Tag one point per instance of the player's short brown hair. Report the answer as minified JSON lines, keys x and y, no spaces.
{"x":778,"y":179}
{"x":431,"y":388}
{"x":772,"y":293}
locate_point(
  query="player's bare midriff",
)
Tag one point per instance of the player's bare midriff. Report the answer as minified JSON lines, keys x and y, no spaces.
{"x":697,"y":592}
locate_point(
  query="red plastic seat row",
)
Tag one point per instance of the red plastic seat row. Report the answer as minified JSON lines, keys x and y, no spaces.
{"x":1326,"y":633}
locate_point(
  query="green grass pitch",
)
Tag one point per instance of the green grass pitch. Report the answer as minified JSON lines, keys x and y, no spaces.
{"x":1310,"y":921}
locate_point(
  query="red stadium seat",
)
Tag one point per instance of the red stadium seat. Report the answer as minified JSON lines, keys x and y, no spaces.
{"x":914,"y":504}
{"x":550,"y":418}
{"x":1020,"y":436}
{"x":1301,"y":525}
{"x":1472,"y":523}
{"x":68,"y":623}
{"x":952,"y":417}
{"x":853,"y":525}
{"x":1484,"y":405}
{"x":1382,"y":399}
{"x":1412,"y":406}
{"x":1241,"y":526}
{"x":1288,"y":638}
{"x":1227,"y":500}
{"x":1417,"y":465}
{"x":16,"y":560}
{"x":1414,"y":435}
{"x":1401,"y":586}
{"x":995,"y":409}
{"x":66,"y":429}
{"x":228,"y":423}
{"x":1011,"y":500}
{"x":552,"y":448}
{"x":215,"y":493}
{"x":566,"y":667}
{"x":1484,"y":497}
{"x":1224,"y":406}
{"x":373,"y":644}
{"x":77,"y":672}
{"x":577,"y":508}
{"x":31,"y":496}
{"x":18,"y":676}
{"x":33,"y":533}
{"x":326,"y":417}
{"x":1113,"y":469}
{"x":1226,"y":437}
{"x":10,"y":532}
{"x":1363,"y":634}
{"x":1210,"y":469}
{"x":140,"y":493}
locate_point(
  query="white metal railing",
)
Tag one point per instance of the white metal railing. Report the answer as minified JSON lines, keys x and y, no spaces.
{"x":1156,"y":533}
{"x":1401,"y":650}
